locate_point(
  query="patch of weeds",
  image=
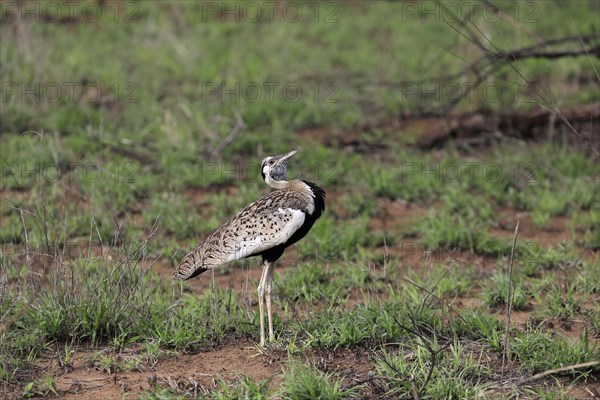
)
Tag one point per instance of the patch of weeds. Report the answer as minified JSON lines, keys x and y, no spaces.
{"x":541,"y":219}
{"x":439,"y":229}
{"x":41,"y":388}
{"x":454,"y":373}
{"x":108,"y":363}
{"x":65,"y":358}
{"x":448,"y":281}
{"x":537,"y":351}
{"x":495,"y":291}
{"x":151,"y":351}
{"x":131,"y":364}
{"x":92,"y":299}
{"x":333,"y":241}
{"x":588,"y":276}
{"x":591,"y":239}
{"x":242,"y":388}
{"x":159,"y":393}
{"x":419,"y":178}
{"x":364,"y":324}
{"x":561,"y":160}
{"x":561,"y":302}
{"x":354,"y":205}
{"x":383,"y":181}
{"x":302,"y":382}
{"x":196,"y":320}
{"x":311,"y":283}
{"x":589,"y":223}
{"x":18,"y":351}
{"x":475,"y":325}
{"x":442,"y":229}
{"x":457,"y":200}
{"x":555,"y":393}
{"x":561,"y":256}
{"x":551,"y":199}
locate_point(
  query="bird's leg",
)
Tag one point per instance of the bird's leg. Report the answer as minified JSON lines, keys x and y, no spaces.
{"x":261,"y":301}
{"x":269,"y":284}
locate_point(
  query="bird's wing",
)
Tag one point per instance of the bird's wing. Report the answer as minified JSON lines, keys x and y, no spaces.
{"x":272,"y":228}
{"x":253,"y":230}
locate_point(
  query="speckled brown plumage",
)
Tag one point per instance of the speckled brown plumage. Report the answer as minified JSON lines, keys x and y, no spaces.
{"x":262,"y":220}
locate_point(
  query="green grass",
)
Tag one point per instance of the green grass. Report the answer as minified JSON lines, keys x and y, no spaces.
{"x":301,"y":382}
{"x":175,"y":214}
{"x":561,"y":301}
{"x":478,"y":326}
{"x":243,"y":388}
{"x":111,"y":299}
{"x":496,"y":290}
{"x":435,"y":372}
{"x":538,"y":351}
{"x":559,"y":257}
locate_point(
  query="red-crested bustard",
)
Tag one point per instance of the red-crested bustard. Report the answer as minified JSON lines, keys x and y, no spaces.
{"x":265,"y":227}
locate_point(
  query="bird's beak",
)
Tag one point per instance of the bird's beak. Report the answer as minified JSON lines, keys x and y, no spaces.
{"x":288,"y":155}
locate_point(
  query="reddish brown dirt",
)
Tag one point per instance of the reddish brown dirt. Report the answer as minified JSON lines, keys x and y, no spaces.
{"x":555,"y":233}
{"x":84,"y":379}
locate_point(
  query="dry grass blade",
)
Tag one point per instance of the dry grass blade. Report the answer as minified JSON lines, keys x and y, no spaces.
{"x":509,"y":296}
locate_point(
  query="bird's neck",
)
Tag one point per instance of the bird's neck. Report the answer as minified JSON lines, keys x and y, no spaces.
{"x":276,"y":184}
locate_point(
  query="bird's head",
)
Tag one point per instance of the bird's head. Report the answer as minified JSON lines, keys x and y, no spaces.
{"x":273,"y":168}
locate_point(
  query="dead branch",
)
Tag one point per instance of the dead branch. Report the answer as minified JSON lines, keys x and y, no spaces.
{"x":509,"y":297}
{"x":544,"y":374}
{"x":513,"y":124}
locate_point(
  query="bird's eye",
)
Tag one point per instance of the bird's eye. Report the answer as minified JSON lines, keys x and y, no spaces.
{"x":271,"y":162}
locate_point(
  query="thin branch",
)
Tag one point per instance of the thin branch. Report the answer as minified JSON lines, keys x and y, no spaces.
{"x":27,"y":248}
{"x":544,"y":374}
{"x":551,"y":55}
{"x":556,"y":371}
{"x":509,"y":297}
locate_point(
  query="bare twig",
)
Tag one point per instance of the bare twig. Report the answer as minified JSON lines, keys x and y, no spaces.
{"x":26,"y":234}
{"x":509,"y":297}
{"x":544,"y":374}
{"x":386,"y":257}
{"x":556,"y":371}
{"x":414,"y":389}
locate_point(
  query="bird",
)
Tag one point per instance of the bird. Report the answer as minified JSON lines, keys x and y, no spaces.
{"x":265,"y":227}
